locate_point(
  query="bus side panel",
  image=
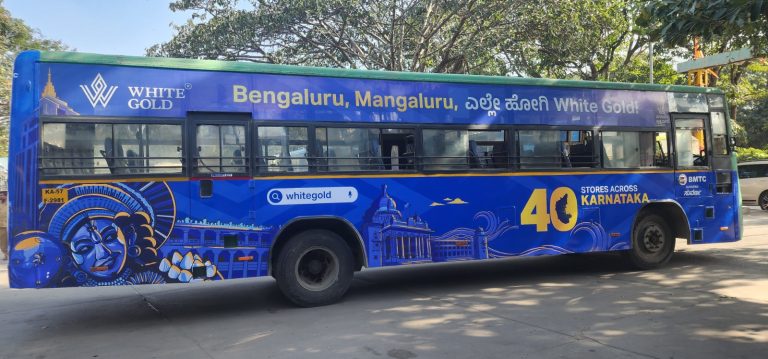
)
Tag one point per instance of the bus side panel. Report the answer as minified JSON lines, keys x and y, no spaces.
{"x":713,"y":217}
{"x":143,"y":232}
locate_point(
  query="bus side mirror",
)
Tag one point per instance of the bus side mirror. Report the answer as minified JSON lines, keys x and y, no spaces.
{"x":733,"y":144}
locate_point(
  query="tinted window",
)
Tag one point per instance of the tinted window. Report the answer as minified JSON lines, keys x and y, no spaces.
{"x":148,"y":148}
{"x":101,"y":148}
{"x":753,"y":171}
{"x":283,"y":149}
{"x":221,"y":149}
{"x":488,"y":149}
{"x":364,"y":149}
{"x":719,"y":134}
{"x":555,"y":149}
{"x":634,"y":149}
{"x":462,"y":149}
{"x":445,"y":149}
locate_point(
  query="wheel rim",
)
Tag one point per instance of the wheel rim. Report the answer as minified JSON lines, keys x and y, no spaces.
{"x":653,"y":239}
{"x":763,"y":201}
{"x":317,"y":269}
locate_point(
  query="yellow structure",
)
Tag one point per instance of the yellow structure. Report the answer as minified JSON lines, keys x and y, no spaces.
{"x":699,"y":77}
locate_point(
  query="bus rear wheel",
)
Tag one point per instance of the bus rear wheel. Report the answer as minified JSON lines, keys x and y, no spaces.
{"x":314,"y":268}
{"x":652,"y":243}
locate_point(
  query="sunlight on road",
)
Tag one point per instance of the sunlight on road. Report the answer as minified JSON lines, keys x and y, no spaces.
{"x":755,"y":291}
{"x":746,"y":333}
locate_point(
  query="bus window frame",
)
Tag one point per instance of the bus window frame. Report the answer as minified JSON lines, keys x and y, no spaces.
{"x":670,"y":151}
{"x":314,"y":151}
{"x":597,"y":166}
{"x":113,"y":121}
{"x":509,"y":142}
{"x":707,"y":138}
{"x":195,"y":119}
{"x":258,"y":157}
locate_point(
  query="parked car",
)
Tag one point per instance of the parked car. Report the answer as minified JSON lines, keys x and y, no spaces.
{"x":753,"y":180}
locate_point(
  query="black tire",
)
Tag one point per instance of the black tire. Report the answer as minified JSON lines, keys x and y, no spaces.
{"x":652,"y":243}
{"x":314,"y":268}
{"x":762,"y":201}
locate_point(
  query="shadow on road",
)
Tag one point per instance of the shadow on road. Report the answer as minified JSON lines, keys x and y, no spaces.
{"x":593,"y":299}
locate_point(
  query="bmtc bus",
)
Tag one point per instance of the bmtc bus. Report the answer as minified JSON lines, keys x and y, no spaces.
{"x":130,"y":170}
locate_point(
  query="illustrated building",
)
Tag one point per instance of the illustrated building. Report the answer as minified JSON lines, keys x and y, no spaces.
{"x":457,"y":249}
{"x":50,"y":105}
{"x":238,"y":250}
{"x":393,"y":239}
{"x":397,"y":239}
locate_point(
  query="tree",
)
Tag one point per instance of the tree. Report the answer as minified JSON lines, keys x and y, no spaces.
{"x":593,"y":40}
{"x":722,"y":25}
{"x":744,"y":22}
{"x":15,"y":36}
{"x":399,"y":35}
{"x":589,"y":40}
{"x":751,"y":96}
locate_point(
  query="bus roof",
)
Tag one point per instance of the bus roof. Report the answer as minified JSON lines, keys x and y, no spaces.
{"x":250,"y":67}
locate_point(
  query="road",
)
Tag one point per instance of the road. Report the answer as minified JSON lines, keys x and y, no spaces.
{"x":709,"y":302}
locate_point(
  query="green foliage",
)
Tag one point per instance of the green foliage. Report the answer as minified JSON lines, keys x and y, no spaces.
{"x":15,"y":36}
{"x":437,"y":36}
{"x":744,"y":154}
{"x":591,"y":40}
{"x":751,"y":97}
{"x":744,"y":22}
{"x":722,"y":25}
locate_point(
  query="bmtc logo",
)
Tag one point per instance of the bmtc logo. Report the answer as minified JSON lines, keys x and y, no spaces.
{"x":98,"y":91}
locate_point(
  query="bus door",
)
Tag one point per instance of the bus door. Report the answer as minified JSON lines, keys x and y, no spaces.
{"x":726,"y":217}
{"x":221,"y":185}
{"x":694,"y":179}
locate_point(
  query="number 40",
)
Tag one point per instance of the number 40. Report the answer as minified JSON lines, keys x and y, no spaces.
{"x":541,"y":212}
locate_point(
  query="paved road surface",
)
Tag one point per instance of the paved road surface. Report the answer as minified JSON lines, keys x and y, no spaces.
{"x":710,"y":302}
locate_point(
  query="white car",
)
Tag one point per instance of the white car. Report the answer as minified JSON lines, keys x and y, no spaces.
{"x":753,"y":180}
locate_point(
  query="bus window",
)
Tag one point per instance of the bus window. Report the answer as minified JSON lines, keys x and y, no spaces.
{"x":364,"y":149}
{"x":233,"y":151}
{"x":221,"y":149}
{"x":445,"y":149}
{"x":487,"y":149}
{"x":283,"y":149}
{"x":555,"y":149}
{"x":208,"y":149}
{"x":164,"y":150}
{"x":632,"y":149}
{"x":661,"y":149}
{"x":102,"y":148}
{"x":349,"y":149}
{"x":76,"y":148}
{"x":398,"y":149}
{"x":719,"y":141}
{"x":140,"y":148}
{"x":689,"y":142}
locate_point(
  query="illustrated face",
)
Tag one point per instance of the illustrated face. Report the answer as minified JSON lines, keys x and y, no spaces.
{"x":99,"y":248}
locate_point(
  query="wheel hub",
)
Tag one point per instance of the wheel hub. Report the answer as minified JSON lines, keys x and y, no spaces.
{"x":317,"y":269}
{"x":653,"y":239}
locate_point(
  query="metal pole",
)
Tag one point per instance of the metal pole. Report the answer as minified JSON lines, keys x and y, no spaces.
{"x":650,"y":61}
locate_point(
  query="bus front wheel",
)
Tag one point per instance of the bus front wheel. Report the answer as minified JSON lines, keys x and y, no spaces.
{"x":314,"y":268}
{"x":652,"y":243}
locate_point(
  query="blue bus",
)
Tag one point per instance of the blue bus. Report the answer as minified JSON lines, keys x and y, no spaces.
{"x":130,"y":170}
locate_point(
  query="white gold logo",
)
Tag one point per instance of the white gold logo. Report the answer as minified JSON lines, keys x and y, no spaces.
{"x":98,"y":93}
